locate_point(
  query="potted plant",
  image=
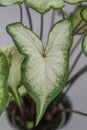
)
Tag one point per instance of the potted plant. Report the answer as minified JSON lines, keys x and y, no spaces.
{"x":33,"y":75}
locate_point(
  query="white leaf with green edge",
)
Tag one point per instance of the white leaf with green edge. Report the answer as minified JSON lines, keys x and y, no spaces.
{"x":10,"y":2}
{"x":84,"y":45}
{"x":4,"y":73}
{"x":75,"y":18}
{"x":84,"y":14}
{"x":74,"y":1}
{"x":14,"y":60}
{"x":42,"y":6}
{"x":44,"y":72}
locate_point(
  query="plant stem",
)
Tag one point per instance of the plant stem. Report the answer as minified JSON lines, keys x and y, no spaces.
{"x":62,"y":12}
{"x":77,"y":26}
{"x":21,"y":108}
{"x":73,"y":111}
{"x":52,"y":18}
{"x":80,"y":28}
{"x":21,"y":13}
{"x":72,"y":80}
{"x":75,"y":62}
{"x":77,"y":75}
{"x":29,"y":17}
{"x":41,"y":28}
{"x":76,"y":44}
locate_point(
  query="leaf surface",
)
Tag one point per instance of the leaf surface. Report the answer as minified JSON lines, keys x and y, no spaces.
{"x":84,"y":42}
{"x":75,"y":18}
{"x":84,"y":14}
{"x":14,"y":60}
{"x":10,"y":2}
{"x":4,"y":72}
{"x":43,"y":6}
{"x":44,"y":73}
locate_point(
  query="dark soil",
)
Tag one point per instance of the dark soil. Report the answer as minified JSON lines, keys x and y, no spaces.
{"x":50,"y":121}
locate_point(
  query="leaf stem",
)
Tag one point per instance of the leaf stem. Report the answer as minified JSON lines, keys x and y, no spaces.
{"x":75,"y":62}
{"x":21,"y":13}
{"x":21,"y":108}
{"x":72,"y":80}
{"x":29,"y":17}
{"x":78,"y":74}
{"x":75,"y":77}
{"x":76,"y":45}
{"x":41,"y":28}
{"x":52,"y":18}
{"x":80,"y":28}
{"x":68,"y":110}
{"x":62,"y":12}
{"x":77,"y":26}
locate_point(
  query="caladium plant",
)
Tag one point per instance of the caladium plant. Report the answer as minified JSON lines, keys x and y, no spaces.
{"x":47,"y":66}
{"x":30,"y":67}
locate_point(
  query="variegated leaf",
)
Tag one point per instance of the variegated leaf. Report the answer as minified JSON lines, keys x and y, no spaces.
{"x":43,"y":6}
{"x":14,"y":61}
{"x":4,"y":73}
{"x":44,"y":72}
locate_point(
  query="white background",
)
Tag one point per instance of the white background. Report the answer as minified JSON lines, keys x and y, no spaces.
{"x":78,"y":93}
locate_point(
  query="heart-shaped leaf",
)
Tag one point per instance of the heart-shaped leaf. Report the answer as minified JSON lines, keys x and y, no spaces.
{"x":74,"y":1}
{"x":4,"y":72}
{"x":10,"y":2}
{"x":44,"y":72}
{"x":84,"y":45}
{"x":84,"y":14}
{"x":75,"y":18}
{"x":43,"y":6}
{"x":14,"y":60}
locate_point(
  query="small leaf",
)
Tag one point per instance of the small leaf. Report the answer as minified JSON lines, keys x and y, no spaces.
{"x":14,"y":61}
{"x":84,"y":14}
{"x":10,"y":2}
{"x":84,"y":45}
{"x":4,"y":72}
{"x":29,"y":124}
{"x":75,"y":18}
{"x":74,"y":1}
{"x":42,"y":6}
{"x":44,"y":73}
